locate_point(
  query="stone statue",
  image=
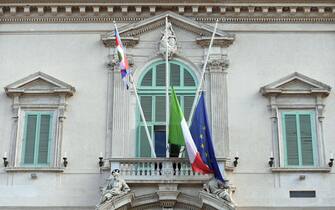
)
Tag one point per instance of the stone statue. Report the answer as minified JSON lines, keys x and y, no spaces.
{"x":219,"y":189}
{"x":115,"y":186}
{"x":171,"y":42}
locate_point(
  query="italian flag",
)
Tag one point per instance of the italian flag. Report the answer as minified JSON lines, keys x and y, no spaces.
{"x":179,"y":134}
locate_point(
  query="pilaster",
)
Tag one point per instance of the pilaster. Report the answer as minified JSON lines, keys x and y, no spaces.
{"x":217,"y":67}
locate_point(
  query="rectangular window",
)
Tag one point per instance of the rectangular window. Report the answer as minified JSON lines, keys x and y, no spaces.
{"x":302,"y":194}
{"x":299,"y":137}
{"x":37,"y":139}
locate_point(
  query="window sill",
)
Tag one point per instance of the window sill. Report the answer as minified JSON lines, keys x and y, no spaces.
{"x":312,"y":170}
{"x":32,"y":169}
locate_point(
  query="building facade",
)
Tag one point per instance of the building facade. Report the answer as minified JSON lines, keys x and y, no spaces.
{"x":268,"y":90}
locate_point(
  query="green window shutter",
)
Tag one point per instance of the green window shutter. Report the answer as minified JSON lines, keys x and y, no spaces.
{"x":30,"y":139}
{"x":144,"y":145}
{"x":306,"y":139}
{"x":147,"y":79}
{"x":292,"y":151}
{"x":160,"y":75}
{"x":174,"y":75}
{"x":44,"y":139}
{"x":160,"y":109}
{"x":146,"y":103}
{"x":188,"y":102}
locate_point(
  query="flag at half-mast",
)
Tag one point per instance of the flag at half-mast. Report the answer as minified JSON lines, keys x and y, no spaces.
{"x":123,"y":61}
{"x":179,"y":134}
{"x":202,"y":137}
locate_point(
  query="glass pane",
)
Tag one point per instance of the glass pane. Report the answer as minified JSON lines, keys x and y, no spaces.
{"x":174,"y":75}
{"x":147,"y":79}
{"x":43,"y":147}
{"x":306,"y":139}
{"x":160,"y":75}
{"x":160,"y":140}
{"x":145,"y":150}
{"x":188,"y":79}
{"x":291,"y":139}
{"x":30,"y":139}
{"x":146,"y":102}
{"x":160,"y":109}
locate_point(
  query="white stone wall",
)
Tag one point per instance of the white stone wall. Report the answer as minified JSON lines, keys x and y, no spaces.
{"x":74,"y":54}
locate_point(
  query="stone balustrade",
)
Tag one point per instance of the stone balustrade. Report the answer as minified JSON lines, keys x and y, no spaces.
{"x":157,"y":170}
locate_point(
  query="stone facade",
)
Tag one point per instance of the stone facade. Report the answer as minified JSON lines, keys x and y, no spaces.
{"x":268,"y":58}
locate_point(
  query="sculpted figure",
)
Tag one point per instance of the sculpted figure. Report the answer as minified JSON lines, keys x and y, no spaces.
{"x":171,"y":41}
{"x":115,"y":186}
{"x":219,"y":189}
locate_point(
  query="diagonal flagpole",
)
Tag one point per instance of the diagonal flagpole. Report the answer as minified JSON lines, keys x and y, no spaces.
{"x":153,"y":153}
{"x":196,"y":97}
{"x":167,"y":89}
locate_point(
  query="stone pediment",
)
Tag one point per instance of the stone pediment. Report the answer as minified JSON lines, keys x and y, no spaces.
{"x":130,"y":33}
{"x":39,"y":83}
{"x":296,"y":83}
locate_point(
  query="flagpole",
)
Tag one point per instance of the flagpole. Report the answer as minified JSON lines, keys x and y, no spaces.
{"x":202,"y":75}
{"x":153,"y":153}
{"x":167,"y":89}
{"x":200,"y":83}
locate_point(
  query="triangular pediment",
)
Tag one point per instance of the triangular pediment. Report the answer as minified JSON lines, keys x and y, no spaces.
{"x":296,"y":83}
{"x":131,"y":32}
{"x":39,"y":83}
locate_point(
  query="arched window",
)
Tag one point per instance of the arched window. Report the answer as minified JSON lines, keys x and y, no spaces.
{"x":151,"y":90}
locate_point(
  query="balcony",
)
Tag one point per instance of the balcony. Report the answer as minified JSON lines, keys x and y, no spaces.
{"x":157,"y":170}
{"x":157,"y":183}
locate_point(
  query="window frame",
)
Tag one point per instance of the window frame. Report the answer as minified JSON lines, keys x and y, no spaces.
{"x":154,"y":91}
{"x":283,"y":141}
{"x":51,"y":137}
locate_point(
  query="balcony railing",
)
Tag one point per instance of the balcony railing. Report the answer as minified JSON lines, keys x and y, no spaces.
{"x":139,"y":170}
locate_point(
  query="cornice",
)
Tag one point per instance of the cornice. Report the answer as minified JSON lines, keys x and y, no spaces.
{"x":240,"y":11}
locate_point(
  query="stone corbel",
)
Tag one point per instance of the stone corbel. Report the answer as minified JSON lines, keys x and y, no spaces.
{"x":223,"y":42}
{"x":108,"y":39}
{"x":320,"y":107}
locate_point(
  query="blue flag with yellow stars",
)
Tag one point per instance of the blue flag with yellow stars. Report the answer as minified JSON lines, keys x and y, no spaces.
{"x":201,"y":134}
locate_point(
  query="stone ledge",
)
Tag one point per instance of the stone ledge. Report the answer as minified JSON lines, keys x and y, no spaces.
{"x":22,"y":169}
{"x":312,"y":170}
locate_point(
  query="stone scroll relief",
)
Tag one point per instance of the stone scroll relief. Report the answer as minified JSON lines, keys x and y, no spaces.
{"x":116,"y":186}
{"x":169,"y":41}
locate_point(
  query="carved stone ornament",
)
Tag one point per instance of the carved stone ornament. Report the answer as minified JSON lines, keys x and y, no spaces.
{"x":169,"y":41}
{"x":219,"y":190}
{"x":217,"y":63}
{"x":116,"y":186}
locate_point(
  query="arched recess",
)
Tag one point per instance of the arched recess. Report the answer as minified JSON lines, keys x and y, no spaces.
{"x":151,"y":90}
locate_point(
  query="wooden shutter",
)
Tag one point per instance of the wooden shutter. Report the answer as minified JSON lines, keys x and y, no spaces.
{"x":292,"y":151}
{"x":44,"y":139}
{"x":306,"y":139}
{"x":146,"y":102}
{"x":147,"y":79}
{"x":145,"y":150}
{"x":160,"y":75}
{"x":188,"y":102}
{"x":160,"y":109}
{"x":30,"y":139}
{"x":174,"y":75}
{"x":188,"y":79}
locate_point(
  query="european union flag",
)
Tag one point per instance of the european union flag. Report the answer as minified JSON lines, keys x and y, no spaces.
{"x":202,"y":137}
